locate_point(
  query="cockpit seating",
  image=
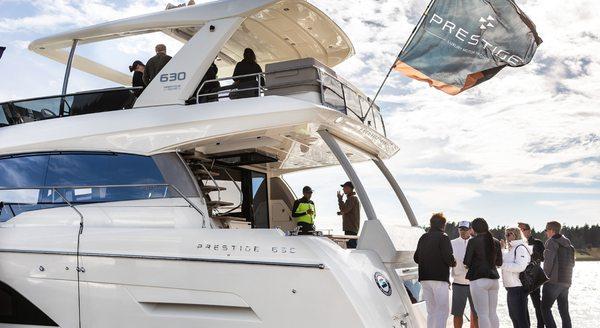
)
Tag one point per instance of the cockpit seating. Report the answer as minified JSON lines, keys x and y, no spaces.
{"x":301,"y":78}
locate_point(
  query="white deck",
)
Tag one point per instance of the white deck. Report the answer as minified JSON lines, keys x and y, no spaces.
{"x":282,"y":126}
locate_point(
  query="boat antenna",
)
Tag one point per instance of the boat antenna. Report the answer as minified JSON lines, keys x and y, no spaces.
{"x":412,"y":34}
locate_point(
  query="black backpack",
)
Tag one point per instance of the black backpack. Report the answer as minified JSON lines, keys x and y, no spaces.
{"x":534,"y":276}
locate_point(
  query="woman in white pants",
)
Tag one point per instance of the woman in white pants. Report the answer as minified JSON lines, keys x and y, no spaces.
{"x":482,"y":257}
{"x":434,"y":257}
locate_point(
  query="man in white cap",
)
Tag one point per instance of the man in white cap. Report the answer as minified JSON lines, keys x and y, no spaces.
{"x":460,"y":284}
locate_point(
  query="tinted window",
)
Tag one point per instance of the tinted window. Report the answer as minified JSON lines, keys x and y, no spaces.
{"x":101,"y":169}
{"x":88,"y":178}
{"x":24,"y":171}
{"x":89,"y":169}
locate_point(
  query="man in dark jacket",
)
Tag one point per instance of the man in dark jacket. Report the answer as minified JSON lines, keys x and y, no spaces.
{"x":435,"y":258}
{"x":350,"y":212}
{"x":208,"y":87}
{"x":537,"y":256}
{"x":156,"y":63}
{"x":559,"y":260}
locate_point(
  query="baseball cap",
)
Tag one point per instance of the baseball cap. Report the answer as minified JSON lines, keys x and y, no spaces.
{"x":349,"y":184}
{"x":307,"y":189}
{"x":464,"y":224}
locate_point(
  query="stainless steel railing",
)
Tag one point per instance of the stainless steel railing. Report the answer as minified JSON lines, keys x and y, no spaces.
{"x":352,"y":102}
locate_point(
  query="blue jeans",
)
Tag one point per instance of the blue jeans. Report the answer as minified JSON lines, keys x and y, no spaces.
{"x":550,"y":294}
{"x":517,"y":307}
{"x":536,"y":299}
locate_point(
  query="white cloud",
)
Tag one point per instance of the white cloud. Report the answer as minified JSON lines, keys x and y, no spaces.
{"x":587,"y":209}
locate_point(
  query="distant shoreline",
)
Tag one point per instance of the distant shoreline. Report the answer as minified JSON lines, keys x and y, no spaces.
{"x":587,"y":255}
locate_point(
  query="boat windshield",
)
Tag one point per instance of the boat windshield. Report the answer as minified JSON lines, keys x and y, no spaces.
{"x":36,"y":109}
{"x":36,"y":181}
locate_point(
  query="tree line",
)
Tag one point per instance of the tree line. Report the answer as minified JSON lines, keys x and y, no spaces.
{"x":582,"y":237}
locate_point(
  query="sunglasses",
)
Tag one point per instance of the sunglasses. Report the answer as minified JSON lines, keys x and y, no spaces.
{"x":463,"y":229}
{"x":509,"y":234}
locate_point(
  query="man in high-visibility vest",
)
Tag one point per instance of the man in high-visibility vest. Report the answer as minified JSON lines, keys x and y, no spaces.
{"x":304,"y":212}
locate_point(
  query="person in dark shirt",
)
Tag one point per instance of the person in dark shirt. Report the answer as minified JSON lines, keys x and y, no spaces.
{"x":138,"y":73}
{"x":435,"y":258}
{"x":304,"y":212}
{"x":482,"y":257}
{"x":209,"y":87}
{"x":537,"y":256}
{"x":248,"y":65}
{"x":156,"y":63}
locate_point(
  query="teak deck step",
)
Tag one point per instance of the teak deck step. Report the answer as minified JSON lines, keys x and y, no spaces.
{"x":216,"y":203}
{"x":207,"y":189}
{"x":229,"y":218}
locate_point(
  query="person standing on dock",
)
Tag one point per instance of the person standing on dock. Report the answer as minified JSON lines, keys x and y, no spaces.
{"x":460,"y":283}
{"x":304,"y":212}
{"x":559,"y":260}
{"x":538,"y":257}
{"x":435,"y":258}
{"x":350,"y":212}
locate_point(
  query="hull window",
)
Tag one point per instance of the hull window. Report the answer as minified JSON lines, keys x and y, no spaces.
{"x":16,"y":309}
{"x":88,"y":177}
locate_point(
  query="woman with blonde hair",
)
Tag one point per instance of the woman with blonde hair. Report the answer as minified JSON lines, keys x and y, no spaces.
{"x":515,"y":259}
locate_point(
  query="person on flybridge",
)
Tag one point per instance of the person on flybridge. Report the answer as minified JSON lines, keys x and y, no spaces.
{"x":156,"y":63}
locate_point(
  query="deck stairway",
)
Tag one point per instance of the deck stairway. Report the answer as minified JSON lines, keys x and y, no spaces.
{"x":208,"y":175}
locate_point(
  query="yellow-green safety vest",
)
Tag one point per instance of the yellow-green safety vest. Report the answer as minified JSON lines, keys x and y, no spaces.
{"x":308,"y":218}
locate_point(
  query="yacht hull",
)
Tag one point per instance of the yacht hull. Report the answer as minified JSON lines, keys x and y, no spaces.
{"x":205,"y":278}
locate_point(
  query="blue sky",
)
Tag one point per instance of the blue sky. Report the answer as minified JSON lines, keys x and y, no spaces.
{"x":523,"y":146}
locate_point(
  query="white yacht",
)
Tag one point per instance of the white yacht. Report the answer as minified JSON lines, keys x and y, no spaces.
{"x":158,"y":211}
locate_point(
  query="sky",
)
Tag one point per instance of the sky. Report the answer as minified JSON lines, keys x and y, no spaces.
{"x":524,"y":146}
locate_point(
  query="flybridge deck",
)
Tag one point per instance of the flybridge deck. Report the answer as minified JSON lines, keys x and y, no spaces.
{"x":304,"y":79}
{"x":301,"y":94}
{"x":289,"y":37}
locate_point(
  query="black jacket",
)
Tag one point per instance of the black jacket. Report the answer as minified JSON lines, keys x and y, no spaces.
{"x":209,"y":87}
{"x":434,"y":256}
{"x":538,"y":249}
{"x":138,"y":81}
{"x":154,"y":66}
{"x":477,"y":260}
{"x":249,"y":82}
{"x":245,"y":68}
